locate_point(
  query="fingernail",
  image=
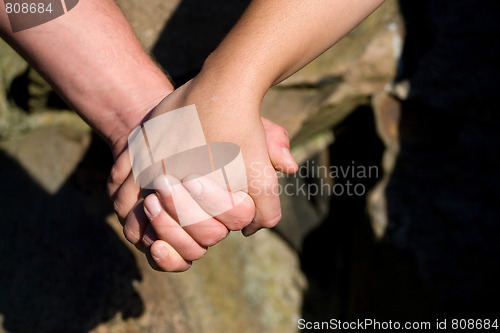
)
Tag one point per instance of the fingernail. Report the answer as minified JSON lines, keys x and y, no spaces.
{"x":159,"y":252}
{"x":194,"y":187}
{"x":152,"y":206}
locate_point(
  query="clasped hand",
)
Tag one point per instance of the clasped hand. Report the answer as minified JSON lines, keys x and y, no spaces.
{"x":149,"y":218}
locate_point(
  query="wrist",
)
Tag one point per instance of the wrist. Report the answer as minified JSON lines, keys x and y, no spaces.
{"x":127,"y":108}
{"x":93,"y":59}
{"x":243,"y":78}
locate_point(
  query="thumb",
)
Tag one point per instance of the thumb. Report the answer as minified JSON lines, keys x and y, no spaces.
{"x":278,"y":146}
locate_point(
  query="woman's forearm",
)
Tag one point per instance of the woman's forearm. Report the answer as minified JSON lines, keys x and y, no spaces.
{"x":93,"y":59}
{"x":275,"y":38}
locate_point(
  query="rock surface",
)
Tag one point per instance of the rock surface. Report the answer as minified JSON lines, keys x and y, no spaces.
{"x":387,"y":115}
{"x":50,"y":153}
{"x":64,"y":256}
{"x":243,"y":285}
{"x":65,"y":266}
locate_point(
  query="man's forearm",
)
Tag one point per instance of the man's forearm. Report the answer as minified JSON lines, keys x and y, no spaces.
{"x":275,"y":38}
{"x":93,"y":59}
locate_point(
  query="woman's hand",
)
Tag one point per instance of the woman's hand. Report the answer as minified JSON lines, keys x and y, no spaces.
{"x":265,"y":147}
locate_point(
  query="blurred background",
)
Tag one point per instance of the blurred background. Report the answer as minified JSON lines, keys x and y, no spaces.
{"x":408,"y":97}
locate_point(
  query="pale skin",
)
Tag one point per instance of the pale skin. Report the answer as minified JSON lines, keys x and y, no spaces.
{"x":93,"y":59}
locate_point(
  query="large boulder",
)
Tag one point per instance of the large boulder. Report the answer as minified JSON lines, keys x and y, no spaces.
{"x":65,"y":264}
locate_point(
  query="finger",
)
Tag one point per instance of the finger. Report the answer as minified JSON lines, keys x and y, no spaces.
{"x":262,"y":186}
{"x":203,"y":228}
{"x":264,"y":191}
{"x":149,"y":236}
{"x":165,"y":258}
{"x":234,"y":210}
{"x":168,"y":230}
{"x":126,"y":197}
{"x":135,"y":225}
{"x":278,"y":145}
{"x":120,"y":171}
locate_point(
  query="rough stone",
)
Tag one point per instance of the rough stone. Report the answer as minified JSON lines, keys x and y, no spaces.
{"x":341,"y":58}
{"x":387,"y":112}
{"x":61,"y":268}
{"x":11,"y":64}
{"x":343,"y":78}
{"x":291,"y":107}
{"x":75,"y":266}
{"x":3,"y":106}
{"x":64,"y":255}
{"x":148,"y":20}
{"x":228,"y":290}
{"x":50,"y":153}
{"x":304,"y":203}
{"x":39,"y":91}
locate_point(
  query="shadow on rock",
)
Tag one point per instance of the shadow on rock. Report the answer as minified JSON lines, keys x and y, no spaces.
{"x":192,"y":33}
{"x":62,"y":268}
{"x":330,"y":256}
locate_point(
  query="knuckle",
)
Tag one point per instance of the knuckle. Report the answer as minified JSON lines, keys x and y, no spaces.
{"x":194,"y":254}
{"x":158,"y":221}
{"x":239,"y":222}
{"x":241,"y":216}
{"x":130,"y":235}
{"x":119,"y":209}
{"x":125,"y":201}
{"x":279,"y":131}
{"x":115,"y":177}
{"x":284,"y":132}
{"x":213,"y":237}
{"x":272,"y":222}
